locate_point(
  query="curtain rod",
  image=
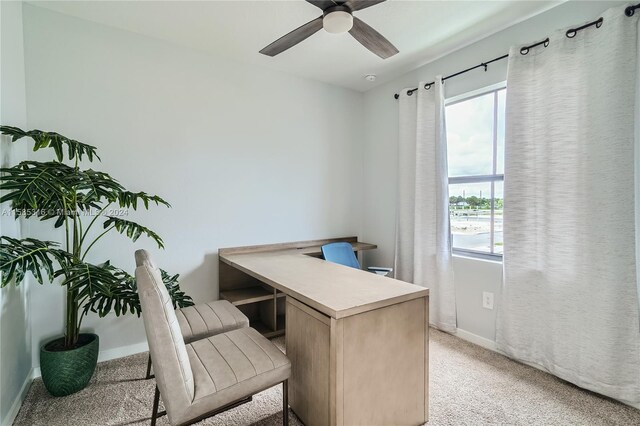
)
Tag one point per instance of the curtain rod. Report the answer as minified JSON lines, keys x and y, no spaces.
{"x":428,"y":85}
{"x":629,"y":11}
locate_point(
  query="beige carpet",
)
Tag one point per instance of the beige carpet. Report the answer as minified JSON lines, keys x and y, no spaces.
{"x":469,"y":385}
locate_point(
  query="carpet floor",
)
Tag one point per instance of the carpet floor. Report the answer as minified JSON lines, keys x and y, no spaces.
{"x":469,"y":385}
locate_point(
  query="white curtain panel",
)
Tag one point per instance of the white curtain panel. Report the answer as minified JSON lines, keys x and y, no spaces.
{"x":423,"y":242}
{"x":569,"y":301}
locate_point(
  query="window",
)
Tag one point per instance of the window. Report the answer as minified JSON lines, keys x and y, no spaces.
{"x":475,"y":146}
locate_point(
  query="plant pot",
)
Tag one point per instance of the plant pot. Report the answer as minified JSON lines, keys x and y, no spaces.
{"x":67,"y":371}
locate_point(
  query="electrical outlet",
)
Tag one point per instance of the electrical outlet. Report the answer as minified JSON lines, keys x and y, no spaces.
{"x":487,"y":300}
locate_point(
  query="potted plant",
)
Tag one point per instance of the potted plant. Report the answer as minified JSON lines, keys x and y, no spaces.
{"x":75,"y":199}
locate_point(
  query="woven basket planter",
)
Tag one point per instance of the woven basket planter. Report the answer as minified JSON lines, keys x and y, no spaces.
{"x":67,"y":371}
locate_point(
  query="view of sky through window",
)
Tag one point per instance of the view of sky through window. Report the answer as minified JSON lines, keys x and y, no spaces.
{"x":475,"y":149}
{"x":470,"y":136}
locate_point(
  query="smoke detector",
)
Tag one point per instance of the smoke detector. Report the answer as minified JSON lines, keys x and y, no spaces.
{"x":370,"y":77}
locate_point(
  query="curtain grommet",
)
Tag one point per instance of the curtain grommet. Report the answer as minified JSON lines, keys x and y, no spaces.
{"x":524,"y":50}
{"x":571,"y":33}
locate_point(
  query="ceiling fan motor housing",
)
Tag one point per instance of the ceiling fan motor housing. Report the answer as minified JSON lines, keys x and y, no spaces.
{"x":337,"y":19}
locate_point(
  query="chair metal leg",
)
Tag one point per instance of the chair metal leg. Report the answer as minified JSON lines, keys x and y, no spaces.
{"x":285,"y":407}
{"x":149,"y":368}
{"x":285,"y":403}
{"x":156,"y":401}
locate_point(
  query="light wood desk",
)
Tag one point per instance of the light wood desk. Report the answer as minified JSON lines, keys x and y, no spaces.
{"x":357,"y":341}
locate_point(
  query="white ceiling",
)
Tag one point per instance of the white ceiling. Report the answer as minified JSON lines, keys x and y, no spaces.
{"x":421,"y":30}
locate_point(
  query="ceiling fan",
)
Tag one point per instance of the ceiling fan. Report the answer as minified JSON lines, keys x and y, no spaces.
{"x":337,"y":18}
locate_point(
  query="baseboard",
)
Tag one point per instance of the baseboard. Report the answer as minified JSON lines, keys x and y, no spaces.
{"x":17,"y":403}
{"x":123,"y":351}
{"x":108,"y":355}
{"x":478,"y":340}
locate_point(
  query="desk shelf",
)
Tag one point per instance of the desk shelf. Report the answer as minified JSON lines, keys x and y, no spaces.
{"x":267,"y":332}
{"x":243,"y":296}
{"x":257,"y":303}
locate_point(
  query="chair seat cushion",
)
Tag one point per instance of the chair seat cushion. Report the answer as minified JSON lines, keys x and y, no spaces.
{"x":231,"y":366}
{"x":208,"y":319}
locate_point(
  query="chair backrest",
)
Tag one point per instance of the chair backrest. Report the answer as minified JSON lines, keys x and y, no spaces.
{"x":171,"y":364}
{"x":341,"y":253}
{"x":142,"y":256}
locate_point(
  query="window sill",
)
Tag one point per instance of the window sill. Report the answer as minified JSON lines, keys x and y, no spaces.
{"x":483,"y":257}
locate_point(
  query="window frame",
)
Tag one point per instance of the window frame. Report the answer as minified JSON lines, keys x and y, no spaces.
{"x":492,"y":178}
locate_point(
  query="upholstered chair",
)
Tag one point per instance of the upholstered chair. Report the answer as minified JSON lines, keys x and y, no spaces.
{"x":203,"y":320}
{"x":203,"y":378}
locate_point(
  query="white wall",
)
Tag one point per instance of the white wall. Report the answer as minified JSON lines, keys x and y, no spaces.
{"x":472,"y":277}
{"x":15,"y":339}
{"x":244,"y":155}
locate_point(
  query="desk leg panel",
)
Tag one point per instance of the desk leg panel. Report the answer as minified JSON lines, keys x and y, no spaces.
{"x":370,"y":368}
{"x":385,"y":365}
{"x":308,"y":342}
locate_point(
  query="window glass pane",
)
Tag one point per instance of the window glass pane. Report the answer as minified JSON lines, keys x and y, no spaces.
{"x":502,"y":98}
{"x":470,"y":214}
{"x":470,"y":136}
{"x":498,"y":217}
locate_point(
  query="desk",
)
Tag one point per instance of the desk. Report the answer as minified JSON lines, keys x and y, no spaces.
{"x":357,"y":341}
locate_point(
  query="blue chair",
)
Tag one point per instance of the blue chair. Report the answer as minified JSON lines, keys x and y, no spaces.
{"x":343,"y":254}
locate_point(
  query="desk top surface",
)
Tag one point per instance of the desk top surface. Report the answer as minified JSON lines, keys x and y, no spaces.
{"x":335,"y":290}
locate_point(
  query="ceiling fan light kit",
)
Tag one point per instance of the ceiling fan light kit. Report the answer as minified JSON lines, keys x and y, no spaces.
{"x":337,"y":18}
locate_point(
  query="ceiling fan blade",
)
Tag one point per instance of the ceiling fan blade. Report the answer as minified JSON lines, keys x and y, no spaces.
{"x":322,"y":4}
{"x":371,"y":39}
{"x":361,"y":4}
{"x":293,"y":38}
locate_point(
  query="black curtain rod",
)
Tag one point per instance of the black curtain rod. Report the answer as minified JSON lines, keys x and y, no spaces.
{"x":483,"y":65}
{"x":629,"y":11}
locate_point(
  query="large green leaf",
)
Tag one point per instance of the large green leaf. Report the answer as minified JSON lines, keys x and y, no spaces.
{"x":132,"y":229}
{"x":52,"y":189}
{"x":17,"y":257}
{"x":52,"y":140}
{"x":120,"y":294}
{"x":36,"y":188}
{"x":179,"y":298}
{"x":96,"y":187}
{"x":130,"y":199}
{"x":102,"y":288}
